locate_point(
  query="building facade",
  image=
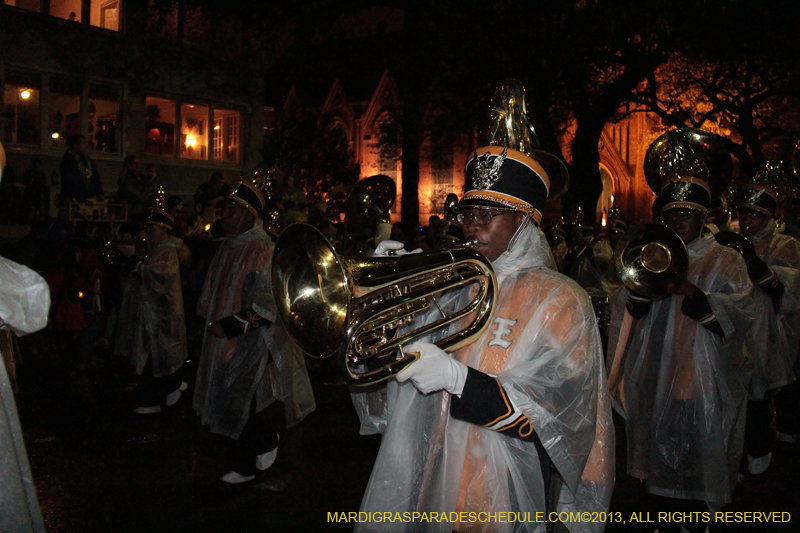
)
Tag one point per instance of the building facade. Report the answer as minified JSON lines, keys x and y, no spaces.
{"x":179,"y":89}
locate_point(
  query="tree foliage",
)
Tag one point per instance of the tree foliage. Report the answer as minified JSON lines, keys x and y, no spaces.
{"x":737,"y":77}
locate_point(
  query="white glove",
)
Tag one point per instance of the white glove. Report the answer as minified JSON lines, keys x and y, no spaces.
{"x":388,"y":248}
{"x":434,"y":370}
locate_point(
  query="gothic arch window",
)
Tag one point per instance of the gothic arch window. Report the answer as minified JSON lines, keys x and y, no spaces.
{"x":338,"y":138}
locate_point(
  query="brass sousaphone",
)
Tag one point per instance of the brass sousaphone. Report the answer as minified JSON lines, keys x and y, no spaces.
{"x":359,"y":309}
{"x":651,"y":260}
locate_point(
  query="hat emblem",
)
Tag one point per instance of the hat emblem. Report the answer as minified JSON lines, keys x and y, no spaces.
{"x":682,"y":190}
{"x":487,"y":170}
{"x":752,"y":196}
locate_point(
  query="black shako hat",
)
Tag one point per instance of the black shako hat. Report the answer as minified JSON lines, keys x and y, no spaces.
{"x":758,"y":198}
{"x":506,"y":178}
{"x":158,"y":213}
{"x":767,"y":185}
{"x":252,"y":189}
{"x":160,"y":218}
{"x":686,"y":193}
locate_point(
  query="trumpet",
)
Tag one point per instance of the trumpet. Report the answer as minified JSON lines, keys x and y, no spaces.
{"x":360,"y":310}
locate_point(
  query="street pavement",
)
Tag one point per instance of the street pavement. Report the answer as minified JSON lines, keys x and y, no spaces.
{"x":100,"y":468}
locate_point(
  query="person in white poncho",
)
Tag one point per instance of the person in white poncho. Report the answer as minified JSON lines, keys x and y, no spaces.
{"x":247,"y":360}
{"x":24,"y":306}
{"x":152,"y":331}
{"x":521,"y":412}
{"x":773,"y":340}
{"x":677,"y":371}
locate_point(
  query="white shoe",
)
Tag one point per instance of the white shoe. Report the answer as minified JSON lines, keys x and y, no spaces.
{"x":183,"y":386}
{"x":791,"y":439}
{"x":173,"y":397}
{"x":147,"y":410}
{"x":234,"y":478}
{"x":758,"y":465}
{"x":265,"y":460}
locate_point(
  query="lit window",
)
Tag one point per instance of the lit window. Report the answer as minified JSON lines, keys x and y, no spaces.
{"x":103,"y":113}
{"x":21,"y":106}
{"x":105,"y":14}
{"x":64,"y":110}
{"x":226,"y":136}
{"x":160,"y":126}
{"x":66,"y":9}
{"x":194,"y":131}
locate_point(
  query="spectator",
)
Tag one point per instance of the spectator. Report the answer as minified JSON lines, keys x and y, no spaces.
{"x":80,"y":179}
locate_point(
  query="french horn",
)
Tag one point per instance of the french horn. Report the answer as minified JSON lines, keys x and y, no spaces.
{"x":360,"y":310}
{"x":651,"y":260}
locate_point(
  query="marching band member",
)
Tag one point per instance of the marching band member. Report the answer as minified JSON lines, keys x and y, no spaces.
{"x":521,"y":412}
{"x":247,"y":360}
{"x":773,"y":340}
{"x":677,"y":372}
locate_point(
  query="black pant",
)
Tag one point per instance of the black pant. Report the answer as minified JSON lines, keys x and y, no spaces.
{"x":256,"y":438}
{"x":152,"y":391}
{"x":758,"y":434}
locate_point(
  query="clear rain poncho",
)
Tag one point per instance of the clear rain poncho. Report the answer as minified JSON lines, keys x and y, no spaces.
{"x":24,"y":306}
{"x":151,"y":320}
{"x":232,"y":371}
{"x":681,"y":389}
{"x":552,"y":371}
{"x":773,"y":340}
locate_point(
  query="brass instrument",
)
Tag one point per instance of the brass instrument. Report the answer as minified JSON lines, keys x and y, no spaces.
{"x":351,"y":307}
{"x":450,"y":232}
{"x":738,"y":242}
{"x":651,"y":260}
{"x":371,"y":200}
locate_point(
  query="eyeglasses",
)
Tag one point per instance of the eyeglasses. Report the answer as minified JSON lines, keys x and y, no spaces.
{"x":481,"y":218}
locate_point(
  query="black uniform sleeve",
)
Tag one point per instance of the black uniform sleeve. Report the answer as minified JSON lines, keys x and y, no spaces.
{"x":484,"y":402}
{"x":698,"y":308}
{"x":242,"y":322}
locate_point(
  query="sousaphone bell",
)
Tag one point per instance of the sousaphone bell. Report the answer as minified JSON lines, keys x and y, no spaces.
{"x":651,"y":260}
